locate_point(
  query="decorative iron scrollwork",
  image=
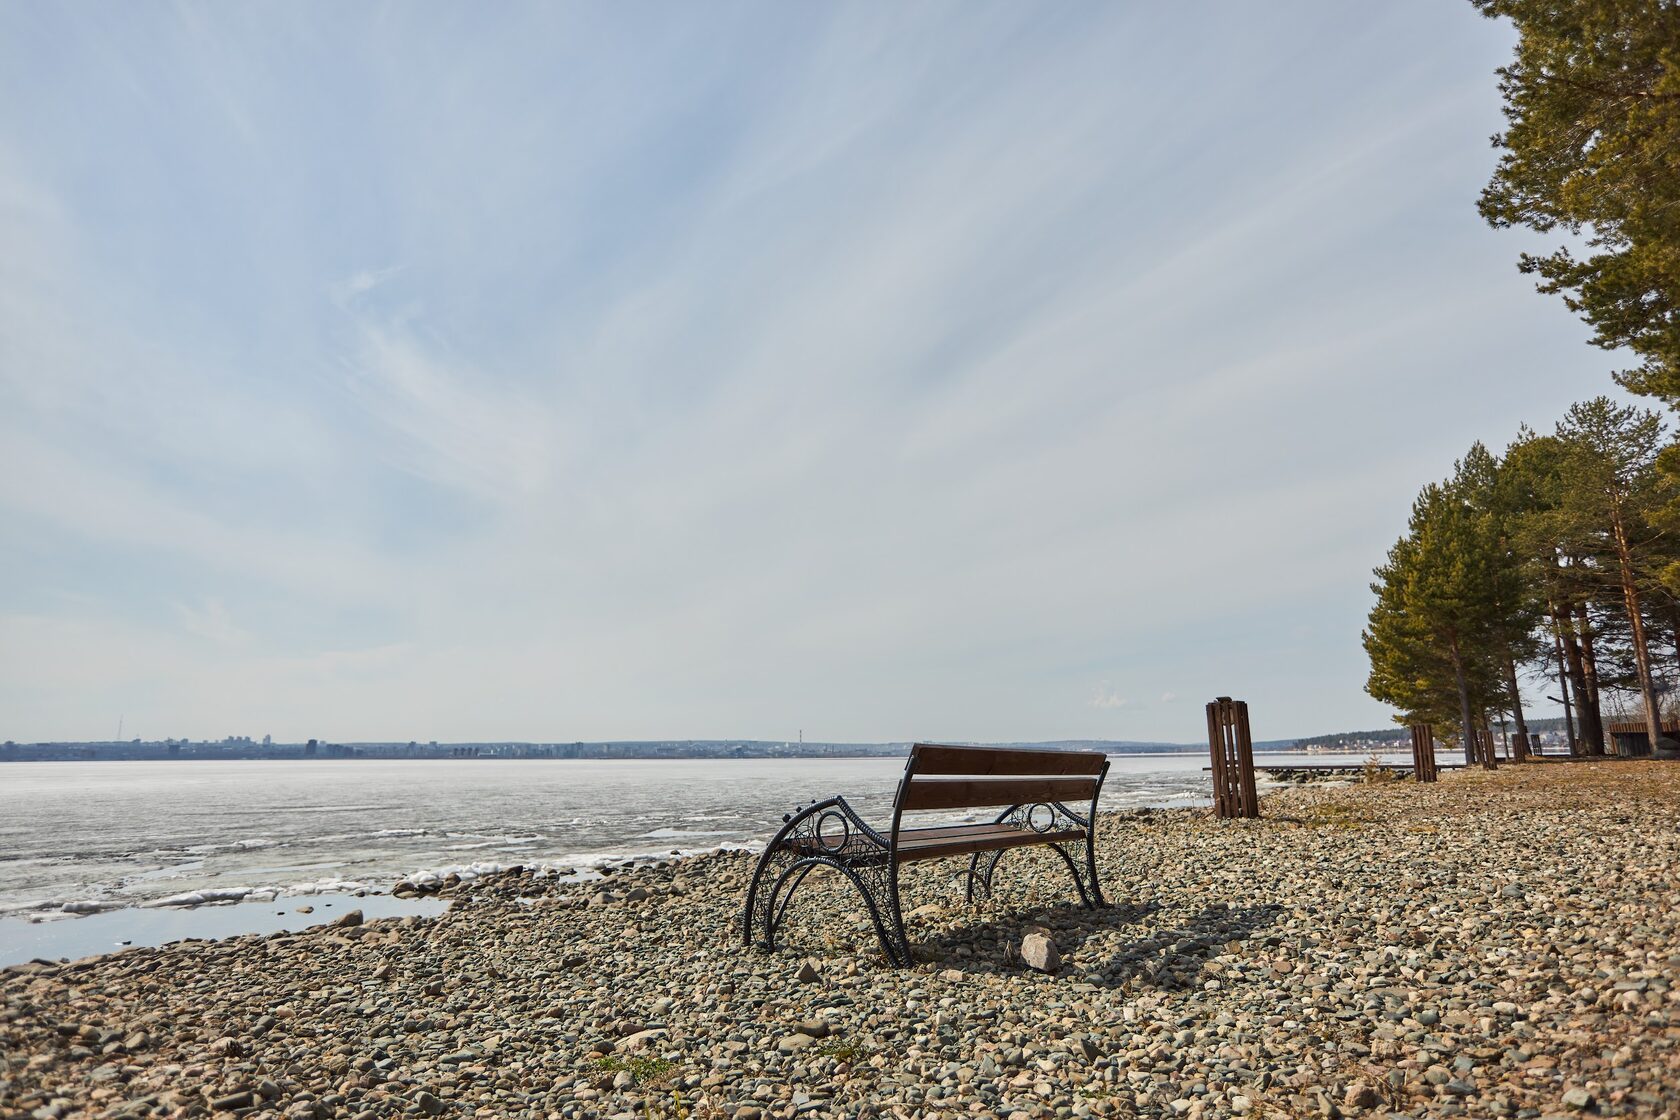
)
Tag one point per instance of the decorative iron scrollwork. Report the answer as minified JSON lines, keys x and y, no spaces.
{"x":824,"y":833}
{"x":827,"y":834}
{"x":1042,"y":817}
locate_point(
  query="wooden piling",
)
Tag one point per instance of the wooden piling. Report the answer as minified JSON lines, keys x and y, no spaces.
{"x":1232,"y":749}
{"x":1423,"y":753}
{"x":1485,"y":749}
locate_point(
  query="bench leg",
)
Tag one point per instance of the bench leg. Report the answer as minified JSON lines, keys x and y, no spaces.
{"x":893,"y":941}
{"x":1091,"y":863}
{"x":759,"y":917}
{"x":789,"y":858}
{"x":783,"y":890}
{"x":872,"y":885}
{"x":981,"y":866}
{"x":1085,"y":879}
{"x":758,"y":922}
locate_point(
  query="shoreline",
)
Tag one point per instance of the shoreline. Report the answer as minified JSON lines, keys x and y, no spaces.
{"x":261,"y":902}
{"x":114,"y":931}
{"x":1463,"y":948}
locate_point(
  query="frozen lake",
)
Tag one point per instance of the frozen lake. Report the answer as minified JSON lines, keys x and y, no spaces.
{"x":127,"y":833}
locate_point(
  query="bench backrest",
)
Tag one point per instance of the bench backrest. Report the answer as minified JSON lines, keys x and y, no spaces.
{"x":946,"y":777}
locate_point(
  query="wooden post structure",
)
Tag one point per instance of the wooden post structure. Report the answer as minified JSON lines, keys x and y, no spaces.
{"x":1423,"y":753}
{"x":1485,"y":749}
{"x":1233,"y":759}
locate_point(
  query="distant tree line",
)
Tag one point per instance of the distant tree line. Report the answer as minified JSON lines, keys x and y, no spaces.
{"x":1398,"y":738}
{"x":1561,"y":555}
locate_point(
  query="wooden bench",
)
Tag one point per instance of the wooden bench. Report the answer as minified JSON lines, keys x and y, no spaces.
{"x":1035,"y":787}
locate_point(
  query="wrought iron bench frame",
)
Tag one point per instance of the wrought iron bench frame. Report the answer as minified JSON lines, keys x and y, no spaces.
{"x":1035,"y":785}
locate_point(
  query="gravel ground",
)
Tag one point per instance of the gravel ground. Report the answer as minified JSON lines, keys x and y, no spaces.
{"x":1502,"y":944}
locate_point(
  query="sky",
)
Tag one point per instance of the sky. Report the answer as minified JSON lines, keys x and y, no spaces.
{"x":978,"y":372}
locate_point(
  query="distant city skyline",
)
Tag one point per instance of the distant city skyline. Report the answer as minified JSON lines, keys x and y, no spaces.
{"x":244,"y":748}
{"x":975,"y":372}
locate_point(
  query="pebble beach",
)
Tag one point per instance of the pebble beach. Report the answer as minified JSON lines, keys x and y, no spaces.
{"x":1498,"y":944}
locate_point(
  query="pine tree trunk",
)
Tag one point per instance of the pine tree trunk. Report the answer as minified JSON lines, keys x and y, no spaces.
{"x":1641,"y":652}
{"x":1465,"y":729}
{"x":1563,"y":688}
{"x":1585,"y":725}
{"x":1593,"y":731}
{"x":1674,"y":625}
{"x":1520,"y":747}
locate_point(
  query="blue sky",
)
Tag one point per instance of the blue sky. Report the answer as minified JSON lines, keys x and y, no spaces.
{"x":548,"y":372}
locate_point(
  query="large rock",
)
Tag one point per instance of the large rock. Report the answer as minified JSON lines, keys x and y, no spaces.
{"x":1359,"y":1095}
{"x":1577,"y":1099}
{"x":794,"y":1043}
{"x":1039,"y":952}
{"x":633,"y":1042}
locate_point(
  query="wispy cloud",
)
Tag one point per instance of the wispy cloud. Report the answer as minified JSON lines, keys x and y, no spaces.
{"x":453,"y":425}
{"x":211,"y":621}
{"x":358,"y":283}
{"x":1106,"y":697}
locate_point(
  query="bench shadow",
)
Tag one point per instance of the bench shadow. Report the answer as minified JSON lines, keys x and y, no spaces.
{"x":1176,"y":957}
{"x":1171,"y":957}
{"x":980,"y":938}
{"x":1073,"y":925}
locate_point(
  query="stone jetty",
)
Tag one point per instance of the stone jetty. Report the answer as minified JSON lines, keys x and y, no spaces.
{"x":1500,"y":944}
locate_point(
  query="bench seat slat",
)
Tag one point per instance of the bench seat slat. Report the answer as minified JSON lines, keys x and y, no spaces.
{"x":963,"y":845}
{"x":944,"y":830}
{"x":979,"y":793}
{"x":933,"y":758}
{"x":958,"y":832}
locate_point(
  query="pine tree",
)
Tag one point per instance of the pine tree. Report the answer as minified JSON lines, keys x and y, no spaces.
{"x":1555,"y":553}
{"x":1441,"y":625}
{"x":1593,"y":104}
{"x":1495,"y":496}
{"x":1612,"y":487}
